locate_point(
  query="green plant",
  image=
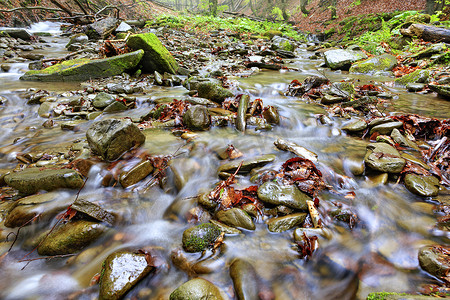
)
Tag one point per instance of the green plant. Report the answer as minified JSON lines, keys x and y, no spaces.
{"x":371,"y":40}
{"x":355,"y":3}
{"x":277,"y":13}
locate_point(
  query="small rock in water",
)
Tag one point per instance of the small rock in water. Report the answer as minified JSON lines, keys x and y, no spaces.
{"x":197,"y":289}
{"x":121,"y":272}
{"x":236,"y":217}
{"x":426,"y":186}
{"x":435,"y":260}
{"x":197,"y":117}
{"x":280,"y":224}
{"x":288,"y":195}
{"x":384,"y":158}
{"x":245,"y":279}
{"x":200,"y":237}
{"x":113,"y":137}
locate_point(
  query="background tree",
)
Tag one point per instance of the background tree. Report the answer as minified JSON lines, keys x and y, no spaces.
{"x":303,"y":4}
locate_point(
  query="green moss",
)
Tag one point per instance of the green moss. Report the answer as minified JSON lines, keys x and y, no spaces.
{"x":414,"y":77}
{"x":383,"y":62}
{"x":383,"y":295}
{"x":200,"y":237}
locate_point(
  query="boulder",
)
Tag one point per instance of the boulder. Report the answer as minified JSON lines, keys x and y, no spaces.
{"x":442,"y":90}
{"x":284,"y":44}
{"x":342,"y":59}
{"x":342,"y":89}
{"x":197,"y":289}
{"x":197,"y":117}
{"x":382,"y":63}
{"x":418,"y":76}
{"x":84,"y":69}
{"x":426,"y":186}
{"x":32,"y":180}
{"x":70,"y":237}
{"x":100,"y":30}
{"x":430,"y":51}
{"x":18,"y":33}
{"x":156,"y":57}
{"x":213,"y":91}
{"x":121,"y":271}
{"x":236,"y":217}
{"x":384,"y":158}
{"x":200,"y":237}
{"x":113,"y":137}
{"x":287,"y":195}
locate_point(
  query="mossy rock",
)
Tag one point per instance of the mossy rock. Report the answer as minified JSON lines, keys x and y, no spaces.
{"x":418,"y":76}
{"x":197,"y":289}
{"x":84,"y":69}
{"x":156,"y":56}
{"x":200,"y":237}
{"x":271,"y":33}
{"x":384,"y":63}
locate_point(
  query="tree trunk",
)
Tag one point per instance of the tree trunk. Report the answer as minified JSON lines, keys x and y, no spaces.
{"x":213,"y":7}
{"x":427,"y":33}
{"x":303,"y":4}
{"x":333,"y":9}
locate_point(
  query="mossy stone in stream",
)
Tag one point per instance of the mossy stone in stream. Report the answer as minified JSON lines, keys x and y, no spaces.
{"x":213,"y":91}
{"x":355,"y":126}
{"x":247,"y":165}
{"x":383,"y":157}
{"x":71,"y":237}
{"x":197,"y":117}
{"x":103,"y":99}
{"x":442,"y":90}
{"x":342,"y":59}
{"x":397,"y":296}
{"x":121,"y":271}
{"x":200,"y":237}
{"x":111,"y":138}
{"x":236,"y":217}
{"x":426,"y":186}
{"x":245,"y":279}
{"x":386,"y":128}
{"x":280,"y":224}
{"x":32,"y":180}
{"x":84,"y":69}
{"x":434,"y":260}
{"x":418,"y":76}
{"x":287,"y":195}
{"x":156,"y":56}
{"x":384,"y":62}
{"x":197,"y":289}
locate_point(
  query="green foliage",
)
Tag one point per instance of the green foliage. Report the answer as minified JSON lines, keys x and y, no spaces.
{"x":277,"y":13}
{"x":355,"y":3}
{"x":371,"y":40}
{"x":240,"y":25}
{"x":382,"y":295}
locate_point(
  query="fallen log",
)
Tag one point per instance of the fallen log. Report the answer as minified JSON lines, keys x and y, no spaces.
{"x":427,"y":33}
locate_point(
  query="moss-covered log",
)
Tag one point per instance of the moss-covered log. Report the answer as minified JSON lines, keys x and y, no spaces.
{"x":427,"y":33}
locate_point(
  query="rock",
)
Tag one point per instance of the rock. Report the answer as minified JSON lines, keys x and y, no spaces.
{"x":342,"y":59}
{"x":135,"y":174}
{"x":426,"y":186}
{"x":386,"y":128}
{"x":296,"y":149}
{"x":183,"y":169}
{"x":434,"y":260}
{"x":27,"y":208}
{"x":287,"y":195}
{"x":71,"y":237}
{"x":225,"y":228}
{"x":79,"y":38}
{"x":280,"y":224}
{"x":17,"y":33}
{"x":399,"y":138}
{"x":356,"y":126}
{"x":280,"y":43}
{"x":442,"y":90}
{"x":84,"y":69}
{"x":200,"y":237}
{"x":384,"y":158}
{"x":197,"y":289}
{"x":103,"y":99}
{"x":93,"y":210}
{"x":398,"y":296}
{"x":342,"y":89}
{"x":329,"y":99}
{"x":46,"y":109}
{"x":271,"y":115}
{"x":236,"y":217}
{"x":245,"y":280}
{"x":116,"y":106}
{"x":241,"y":115}
{"x":418,"y":76}
{"x":428,"y":52}
{"x":113,"y":137}
{"x":156,"y":57}
{"x":213,"y":91}
{"x":384,"y":62}
{"x":100,"y":30}
{"x":415,"y":87}
{"x":32,"y":180}
{"x":319,"y":232}
{"x":197,"y":117}
{"x":123,"y":27}
{"x":121,"y":271}
{"x":247,"y":165}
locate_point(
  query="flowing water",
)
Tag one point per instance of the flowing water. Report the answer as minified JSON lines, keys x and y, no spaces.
{"x":380,"y":254}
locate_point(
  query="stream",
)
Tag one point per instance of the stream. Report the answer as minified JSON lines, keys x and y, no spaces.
{"x":380,"y":254}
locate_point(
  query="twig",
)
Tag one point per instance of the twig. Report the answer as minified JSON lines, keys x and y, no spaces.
{"x":47,"y":257}
{"x":31,"y":8}
{"x":16,"y":235}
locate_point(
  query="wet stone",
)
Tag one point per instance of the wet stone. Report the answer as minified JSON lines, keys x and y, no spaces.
{"x":355,"y":126}
{"x":245,"y":280}
{"x":197,"y":117}
{"x":386,"y":128}
{"x":93,"y":210}
{"x":434,"y":260}
{"x":200,"y":237}
{"x":114,"y":107}
{"x":236,"y":217}
{"x":213,"y":91}
{"x":71,"y":237}
{"x":121,"y":272}
{"x":225,"y":228}
{"x":247,"y":165}
{"x":288,"y":195}
{"x":135,"y":174}
{"x":197,"y":289}
{"x":103,"y":99}
{"x":426,"y":186}
{"x":113,"y":137}
{"x":32,"y":180}
{"x":384,"y":158}
{"x":280,"y":224}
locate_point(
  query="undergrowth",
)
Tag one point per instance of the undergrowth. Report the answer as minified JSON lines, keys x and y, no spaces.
{"x":206,"y":24}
